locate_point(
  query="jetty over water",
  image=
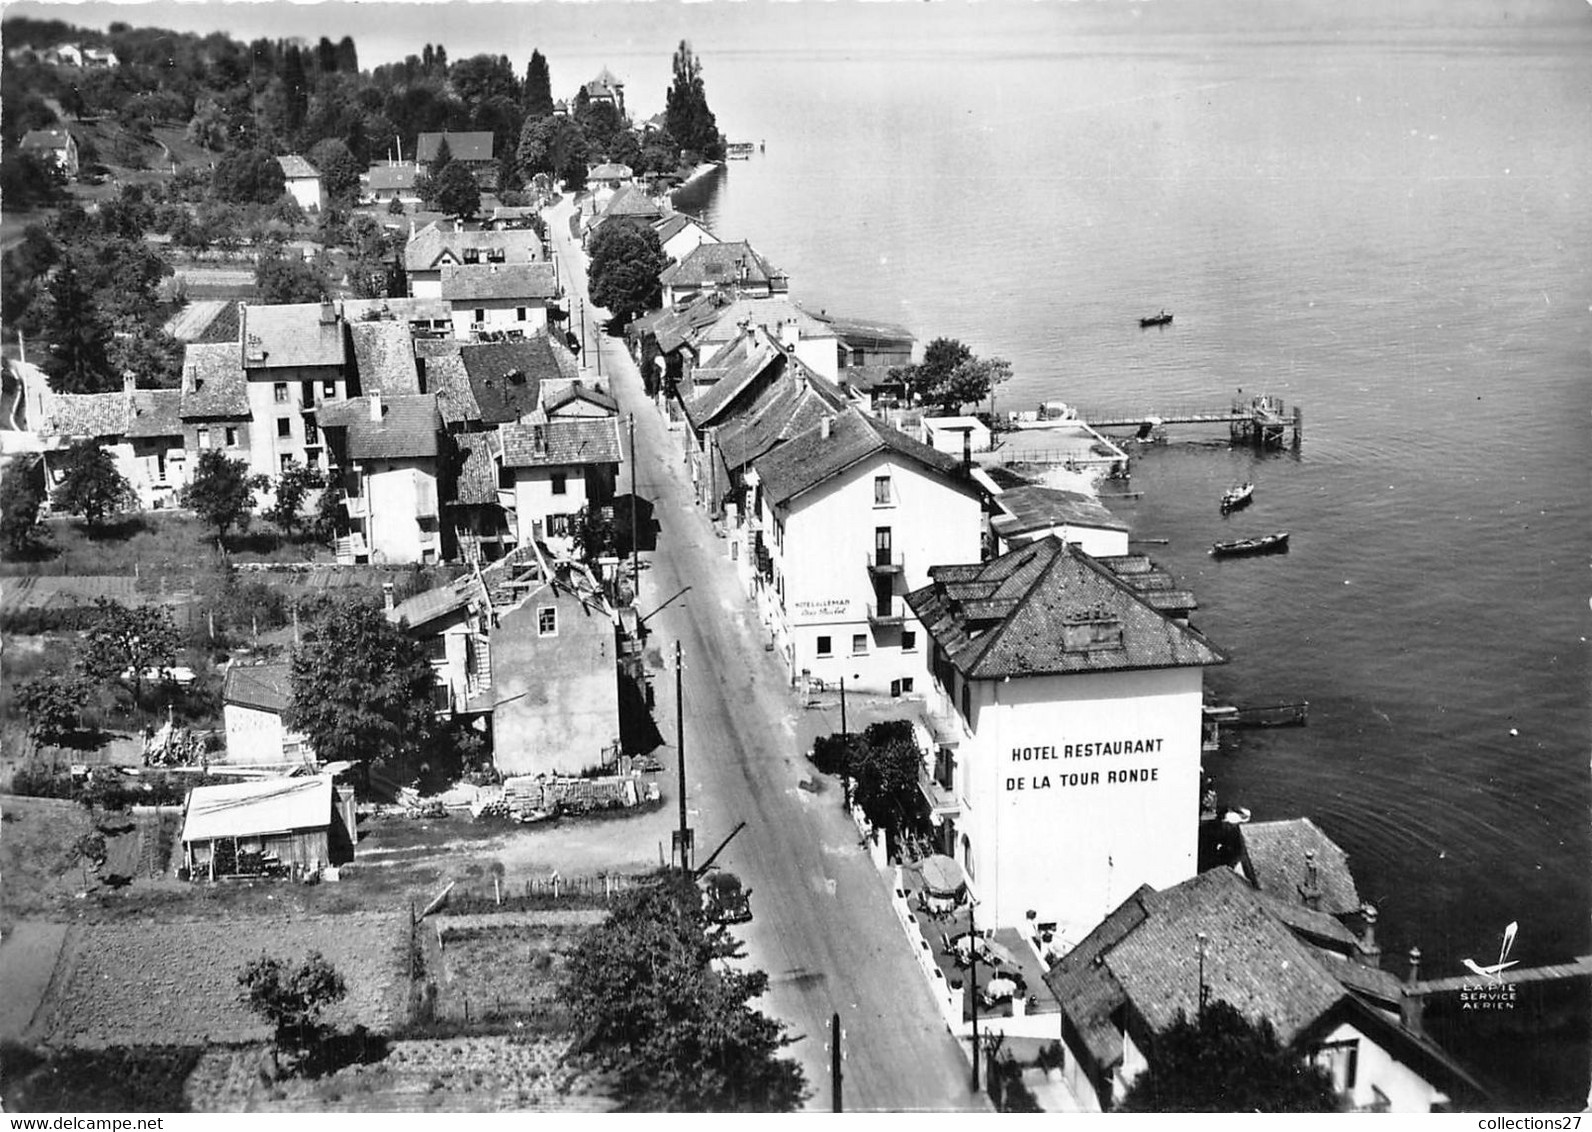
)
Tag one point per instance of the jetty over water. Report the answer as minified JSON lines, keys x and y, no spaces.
{"x":1580,"y":969}
{"x":1263,"y":420}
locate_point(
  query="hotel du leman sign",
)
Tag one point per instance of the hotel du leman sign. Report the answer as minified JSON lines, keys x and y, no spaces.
{"x":1083,"y":764}
{"x":824,"y":607}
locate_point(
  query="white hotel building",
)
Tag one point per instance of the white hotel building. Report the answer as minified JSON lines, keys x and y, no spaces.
{"x":1066,"y":709}
{"x":851,"y":516}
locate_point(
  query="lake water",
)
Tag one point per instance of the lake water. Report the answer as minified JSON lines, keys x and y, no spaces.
{"x":1383,"y":218}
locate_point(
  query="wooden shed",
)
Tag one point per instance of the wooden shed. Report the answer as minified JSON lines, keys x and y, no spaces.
{"x":285,"y":825}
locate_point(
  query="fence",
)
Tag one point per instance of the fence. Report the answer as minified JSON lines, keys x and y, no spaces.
{"x":545,"y":892}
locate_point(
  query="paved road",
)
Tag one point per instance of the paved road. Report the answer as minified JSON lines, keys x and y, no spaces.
{"x":823,"y":928}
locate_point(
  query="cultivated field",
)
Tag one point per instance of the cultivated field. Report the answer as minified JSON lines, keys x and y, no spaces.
{"x":508,"y":965}
{"x":165,"y":982}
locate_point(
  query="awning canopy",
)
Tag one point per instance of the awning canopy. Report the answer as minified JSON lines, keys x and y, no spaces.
{"x":942,"y":876}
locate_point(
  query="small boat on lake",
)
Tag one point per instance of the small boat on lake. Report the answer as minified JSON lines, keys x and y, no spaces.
{"x":1156,"y":319}
{"x":1235,"y":497}
{"x":1265,"y":544}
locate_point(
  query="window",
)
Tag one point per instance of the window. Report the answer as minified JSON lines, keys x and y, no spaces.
{"x":519,"y":313}
{"x":279,"y":390}
{"x":505,"y":478}
{"x":232,"y":438}
{"x":480,"y":314}
{"x":437,"y":647}
{"x":284,"y":426}
{"x":328,"y":389}
{"x":547,"y":621}
{"x":859,"y":644}
{"x":472,"y":255}
{"x":204,"y":439}
{"x":311,"y":433}
{"x":306,"y":393}
{"x":967,"y":700}
{"x":881,"y":491}
{"x":1342,"y":1060}
{"x":560,"y":483}
{"x":558,"y":526}
{"x":826,"y":646}
{"x":909,"y":640}
{"x":441,"y":697}
{"x":906,"y":684}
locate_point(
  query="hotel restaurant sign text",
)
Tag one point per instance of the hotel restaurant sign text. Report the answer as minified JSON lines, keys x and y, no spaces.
{"x":827,"y":607}
{"x":1083,"y":774}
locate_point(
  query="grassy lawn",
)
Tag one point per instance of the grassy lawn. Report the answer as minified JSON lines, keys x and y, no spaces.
{"x":157,"y":543}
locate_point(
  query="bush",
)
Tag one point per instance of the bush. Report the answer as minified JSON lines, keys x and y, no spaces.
{"x":36,"y":780}
{"x":836,"y":753}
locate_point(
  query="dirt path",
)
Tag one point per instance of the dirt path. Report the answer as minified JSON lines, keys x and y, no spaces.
{"x":27,"y":961}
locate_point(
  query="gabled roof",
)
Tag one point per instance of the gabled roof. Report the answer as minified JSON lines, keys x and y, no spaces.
{"x":384,"y":357}
{"x":401,"y":176}
{"x":573,"y":392}
{"x":292,"y":335}
{"x":85,"y":415}
{"x":446,"y":377}
{"x":295,"y":168}
{"x":433,"y":245}
{"x":1036,"y":508}
{"x":610,"y":171}
{"x":1155,"y":586}
{"x":672,"y":225}
{"x":795,"y":403}
{"x":45,"y":139}
{"x":214,"y":386}
{"x":408,"y":426}
{"x":425,"y":607}
{"x":631,"y":201}
{"x":476,"y":481}
{"x":155,"y":412}
{"x":398,"y":309}
{"x":563,"y":442}
{"x":467,"y":282}
{"x":771,"y":312}
{"x":684,"y":321}
{"x":867,"y":378}
{"x":1274,"y":858}
{"x":867,"y":332}
{"x":724,"y":264}
{"x":506,"y":377}
{"x":263,"y":687}
{"x":750,"y":358}
{"x":810,"y":459}
{"x":470,"y":145}
{"x":250,"y":809}
{"x":1048,"y":608}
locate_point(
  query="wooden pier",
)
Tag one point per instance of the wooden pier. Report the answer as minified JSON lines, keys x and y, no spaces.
{"x":1265,"y":421}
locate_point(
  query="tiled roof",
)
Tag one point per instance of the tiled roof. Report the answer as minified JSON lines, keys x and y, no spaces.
{"x":404,"y":310}
{"x":429,"y":605}
{"x":684,"y":322}
{"x":392,"y":176}
{"x":1048,"y":608}
{"x":676,"y":222}
{"x":771,"y":312}
{"x":426,"y":249}
{"x":384,"y":357}
{"x":194,"y":318}
{"x":437,"y":347}
{"x":1035,"y":508}
{"x":45,"y":139}
{"x":1155,"y":586}
{"x":214,"y":387}
{"x":85,"y":414}
{"x":408,"y":426}
{"x":506,"y":376}
{"x":155,"y":412}
{"x":225,"y":326}
{"x":789,"y":407}
{"x":554,"y":398}
{"x":867,"y":332}
{"x":610,"y":171}
{"x":477,"y":479}
{"x":711,"y":265}
{"x":1274,"y":856}
{"x":631,"y":201}
{"x":264,"y":687}
{"x":467,"y":282}
{"x":295,"y":167}
{"x":248,"y":809}
{"x":568,"y":441}
{"x":750,"y":358}
{"x":810,"y":459}
{"x":472,"y":145}
{"x":294,"y":334}
{"x":445,"y":376}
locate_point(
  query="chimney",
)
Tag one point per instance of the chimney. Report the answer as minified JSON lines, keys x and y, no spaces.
{"x":386,"y":596}
{"x":1310,"y":890}
{"x":789,"y":334}
{"x":328,"y":312}
{"x":1412,"y":1006}
{"x":825,"y":426}
{"x":375,"y":408}
{"x":967,"y":449}
{"x":129,"y":382}
{"x":1370,"y":951}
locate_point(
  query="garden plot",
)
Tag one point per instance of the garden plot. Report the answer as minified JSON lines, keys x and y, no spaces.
{"x":153,"y":982}
{"x":499,"y":966}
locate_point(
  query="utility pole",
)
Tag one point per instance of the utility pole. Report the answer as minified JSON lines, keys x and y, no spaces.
{"x":679,"y":745}
{"x":843,"y":705}
{"x":972,"y":952}
{"x":834,"y":1064}
{"x":1199,"y":943}
{"x":635,"y":546}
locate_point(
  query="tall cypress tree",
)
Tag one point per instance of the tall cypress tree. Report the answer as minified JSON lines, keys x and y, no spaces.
{"x":689,"y":119}
{"x":538,"y":100}
{"x":79,"y":336}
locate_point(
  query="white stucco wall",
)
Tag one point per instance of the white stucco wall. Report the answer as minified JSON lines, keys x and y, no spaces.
{"x":308,"y":192}
{"x":1405,"y":1089}
{"x":425,"y":285}
{"x":829,"y":536}
{"x":400,"y":492}
{"x":1067,"y":833}
{"x":686,"y":241}
{"x":497,"y":314}
{"x":266,"y":448}
{"x":255,"y":736}
{"x":534,"y":502}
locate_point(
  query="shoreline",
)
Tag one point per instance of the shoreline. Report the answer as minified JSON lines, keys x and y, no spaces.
{"x":701,"y":171}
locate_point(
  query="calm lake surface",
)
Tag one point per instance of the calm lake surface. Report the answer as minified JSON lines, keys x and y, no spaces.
{"x":1386,"y":222}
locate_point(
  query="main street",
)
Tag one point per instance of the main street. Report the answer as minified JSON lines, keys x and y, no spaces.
{"x":823,"y":928}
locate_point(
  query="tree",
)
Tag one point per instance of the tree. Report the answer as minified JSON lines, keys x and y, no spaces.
{"x":339,"y":171}
{"x":537,"y":100}
{"x":291,"y":1000}
{"x":30,"y":181}
{"x":454,"y":192}
{"x":284,"y":277}
{"x":91,"y":486}
{"x":50,"y":703}
{"x":626,"y":259}
{"x":222,"y":491}
{"x":971,"y":382}
{"x":248,"y":176}
{"x":1223,"y":1062}
{"x":122,"y":639}
{"x":554,"y":145}
{"x":650,"y":1002}
{"x":443,"y":158}
{"x":686,"y":110}
{"x":885,"y":766}
{"x":22,"y":494}
{"x":951,"y":376}
{"x":362,"y":691}
{"x":296,"y":481}
{"x":78,"y":333}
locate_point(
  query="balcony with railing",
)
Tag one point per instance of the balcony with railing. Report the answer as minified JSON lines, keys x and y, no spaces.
{"x":891,"y":612}
{"x":942,"y":800}
{"x":885,"y":560}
